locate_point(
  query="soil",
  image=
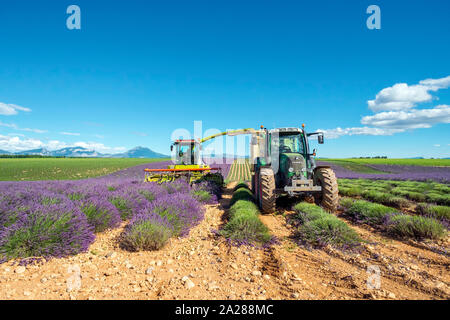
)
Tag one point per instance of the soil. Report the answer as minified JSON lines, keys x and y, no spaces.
{"x":204,"y":266}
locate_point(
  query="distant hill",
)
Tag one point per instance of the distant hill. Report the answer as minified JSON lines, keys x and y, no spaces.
{"x":79,"y":152}
{"x":76,"y":152}
{"x":140,"y":152}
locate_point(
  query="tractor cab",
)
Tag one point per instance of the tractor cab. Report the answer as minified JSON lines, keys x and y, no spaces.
{"x":289,"y":152}
{"x":186,"y":152}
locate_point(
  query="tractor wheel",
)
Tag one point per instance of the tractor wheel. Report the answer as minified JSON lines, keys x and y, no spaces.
{"x":266,"y":190}
{"x":328,"y":198}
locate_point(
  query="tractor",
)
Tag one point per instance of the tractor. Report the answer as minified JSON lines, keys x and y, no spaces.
{"x":187,"y":165}
{"x":284,"y":165}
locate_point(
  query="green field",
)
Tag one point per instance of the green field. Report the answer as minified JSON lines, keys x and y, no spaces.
{"x":64,"y":168}
{"x":239,"y":171}
{"x":403,"y":162}
{"x":354,"y":166}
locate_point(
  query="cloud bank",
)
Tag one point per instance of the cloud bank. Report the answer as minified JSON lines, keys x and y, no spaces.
{"x":16,"y":144}
{"x":11,"y":109}
{"x":395,"y":110}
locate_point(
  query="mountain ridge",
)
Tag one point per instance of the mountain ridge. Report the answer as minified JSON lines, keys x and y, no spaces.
{"x":80,"y":152}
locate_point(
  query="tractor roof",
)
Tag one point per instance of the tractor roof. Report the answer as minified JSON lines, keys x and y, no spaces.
{"x":286,"y":130}
{"x":181,"y":141}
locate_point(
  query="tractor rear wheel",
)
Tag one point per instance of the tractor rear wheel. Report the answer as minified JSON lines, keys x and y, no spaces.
{"x":266,"y":190}
{"x":329,"y":197}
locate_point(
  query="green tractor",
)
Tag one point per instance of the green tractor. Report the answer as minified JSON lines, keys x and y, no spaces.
{"x":284,"y":165}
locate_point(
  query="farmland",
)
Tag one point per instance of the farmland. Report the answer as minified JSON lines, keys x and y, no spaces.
{"x":30,"y":169}
{"x":384,"y":170}
{"x":148,"y":241}
{"x":397,"y":162}
{"x":239,"y":171}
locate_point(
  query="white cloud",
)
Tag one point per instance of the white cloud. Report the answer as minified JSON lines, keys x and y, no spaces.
{"x":436,"y":145}
{"x":16,"y":127}
{"x":401,"y":96}
{"x":412,"y":119}
{"x":395,"y":111}
{"x":100,"y":147}
{"x":33,"y":130}
{"x":55,"y":145}
{"x":69,"y":133}
{"x":16,"y":143}
{"x":339,"y":132}
{"x":436,"y":84}
{"x":11,"y":109}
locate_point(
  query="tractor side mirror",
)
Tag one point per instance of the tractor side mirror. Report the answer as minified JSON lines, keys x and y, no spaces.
{"x":320,"y":138}
{"x":171,"y":148}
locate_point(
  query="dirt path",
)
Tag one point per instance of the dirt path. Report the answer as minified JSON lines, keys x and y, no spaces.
{"x":203,"y":266}
{"x":406,"y":270}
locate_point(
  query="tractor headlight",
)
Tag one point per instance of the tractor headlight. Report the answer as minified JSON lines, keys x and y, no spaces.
{"x":291,"y":169}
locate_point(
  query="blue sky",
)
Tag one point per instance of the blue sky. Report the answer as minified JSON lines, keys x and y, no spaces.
{"x":138,"y":70}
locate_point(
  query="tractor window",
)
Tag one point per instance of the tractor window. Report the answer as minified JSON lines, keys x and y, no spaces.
{"x":185,"y":154}
{"x":184,"y":149}
{"x":291,"y":143}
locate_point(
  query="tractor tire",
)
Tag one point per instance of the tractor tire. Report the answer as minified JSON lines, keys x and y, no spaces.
{"x":266,"y":190}
{"x":255,"y":183}
{"x":329,"y":197}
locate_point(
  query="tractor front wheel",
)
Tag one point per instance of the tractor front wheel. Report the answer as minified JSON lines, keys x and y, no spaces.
{"x":329,"y":197}
{"x":266,"y":190}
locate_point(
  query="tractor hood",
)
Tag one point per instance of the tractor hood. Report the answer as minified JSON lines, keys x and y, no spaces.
{"x":292,"y":165}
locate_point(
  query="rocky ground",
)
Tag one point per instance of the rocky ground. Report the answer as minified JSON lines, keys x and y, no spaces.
{"x":203,"y":266}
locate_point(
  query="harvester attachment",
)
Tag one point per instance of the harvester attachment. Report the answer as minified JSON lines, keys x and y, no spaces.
{"x":185,"y":172}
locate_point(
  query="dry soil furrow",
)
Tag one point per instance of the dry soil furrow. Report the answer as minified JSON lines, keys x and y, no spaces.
{"x":344,"y":275}
{"x":420,"y":269}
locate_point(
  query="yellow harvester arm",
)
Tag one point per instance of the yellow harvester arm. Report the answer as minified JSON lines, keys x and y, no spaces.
{"x":230,"y":133}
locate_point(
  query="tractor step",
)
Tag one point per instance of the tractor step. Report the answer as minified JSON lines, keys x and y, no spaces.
{"x":302,"y":186}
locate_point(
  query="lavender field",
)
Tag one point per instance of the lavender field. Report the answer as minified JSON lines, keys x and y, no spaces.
{"x":45,"y":219}
{"x":394,"y":172}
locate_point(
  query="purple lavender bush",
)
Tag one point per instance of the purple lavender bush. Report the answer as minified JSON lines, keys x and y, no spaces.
{"x":100,"y":213}
{"x":146,"y":231}
{"x":418,"y":227}
{"x":181,"y":210}
{"x":206,"y":192}
{"x":57,"y":230}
